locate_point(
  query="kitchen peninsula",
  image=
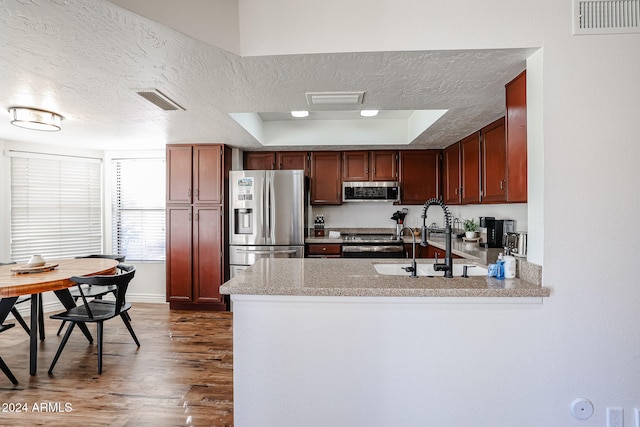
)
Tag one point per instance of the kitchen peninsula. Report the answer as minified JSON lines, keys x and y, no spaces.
{"x":316,"y":341}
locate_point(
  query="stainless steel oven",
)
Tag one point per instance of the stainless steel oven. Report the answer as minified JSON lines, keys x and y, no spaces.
{"x":372,"y":246}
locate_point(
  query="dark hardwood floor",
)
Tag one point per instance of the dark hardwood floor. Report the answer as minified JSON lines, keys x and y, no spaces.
{"x":182,"y":374}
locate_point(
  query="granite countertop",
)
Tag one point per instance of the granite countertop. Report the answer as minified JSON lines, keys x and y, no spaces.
{"x":358,"y":277}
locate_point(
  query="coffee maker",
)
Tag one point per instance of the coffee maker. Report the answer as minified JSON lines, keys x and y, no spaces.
{"x":496,"y":228}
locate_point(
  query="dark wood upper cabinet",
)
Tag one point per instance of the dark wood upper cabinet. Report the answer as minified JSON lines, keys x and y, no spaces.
{"x":470,"y":164}
{"x":326,"y":182}
{"x":179,"y":173}
{"x":516,"y":94}
{"x":355,"y":166}
{"x":207,"y":174}
{"x":370,"y":165}
{"x":494,"y":163}
{"x":259,"y":160}
{"x":293,"y":160}
{"x":451,"y":191}
{"x":419,"y":176}
{"x":384,"y":165}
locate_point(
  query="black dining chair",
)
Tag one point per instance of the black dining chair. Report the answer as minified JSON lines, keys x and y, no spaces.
{"x":18,"y":316}
{"x":6,"y":304}
{"x":98,"y":310}
{"x":91,"y":291}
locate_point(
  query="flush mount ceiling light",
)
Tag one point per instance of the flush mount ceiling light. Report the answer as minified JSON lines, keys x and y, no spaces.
{"x":35,"y":119}
{"x":300,"y":114}
{"x":369,"y":113}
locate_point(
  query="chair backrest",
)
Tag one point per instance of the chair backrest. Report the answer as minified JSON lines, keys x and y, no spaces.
{"x":121,"y":281}
{"x":119,"y":258}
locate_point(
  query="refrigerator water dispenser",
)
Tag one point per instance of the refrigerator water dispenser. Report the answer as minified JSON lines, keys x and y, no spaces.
{"x":243,"y":221}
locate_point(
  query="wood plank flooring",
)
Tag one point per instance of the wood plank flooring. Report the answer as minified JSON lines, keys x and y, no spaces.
{"x":182,"y":374}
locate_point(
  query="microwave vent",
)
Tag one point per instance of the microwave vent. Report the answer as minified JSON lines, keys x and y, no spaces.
{"x":606,"y":16}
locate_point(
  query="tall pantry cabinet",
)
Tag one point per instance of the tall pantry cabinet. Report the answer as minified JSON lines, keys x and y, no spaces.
{"x":197,"y":197}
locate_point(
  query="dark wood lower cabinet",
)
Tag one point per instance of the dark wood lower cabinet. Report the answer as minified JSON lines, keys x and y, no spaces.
{"x":324,"y":250}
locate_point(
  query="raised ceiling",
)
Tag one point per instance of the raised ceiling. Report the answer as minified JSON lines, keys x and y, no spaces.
{"x":87,"y":59}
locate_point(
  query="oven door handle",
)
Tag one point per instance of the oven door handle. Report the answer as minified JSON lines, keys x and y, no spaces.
{"x":263,"y":252}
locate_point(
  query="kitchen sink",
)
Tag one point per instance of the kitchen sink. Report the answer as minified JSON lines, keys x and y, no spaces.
{"x":427,"y":270}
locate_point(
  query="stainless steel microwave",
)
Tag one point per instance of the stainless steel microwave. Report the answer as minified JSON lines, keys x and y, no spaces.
{"x":370,"y":191}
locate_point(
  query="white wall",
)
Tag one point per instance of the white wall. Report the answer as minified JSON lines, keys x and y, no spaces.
{"x":584,"y":340}
{"x":378,"y":214}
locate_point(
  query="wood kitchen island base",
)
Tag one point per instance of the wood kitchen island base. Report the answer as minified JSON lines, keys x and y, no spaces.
{"x":378,"y":360}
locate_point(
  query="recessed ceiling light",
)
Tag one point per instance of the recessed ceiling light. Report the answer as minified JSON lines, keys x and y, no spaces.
{"x":35,"y":119}
{"x":300,"y":114}
{"x":369,"y":113}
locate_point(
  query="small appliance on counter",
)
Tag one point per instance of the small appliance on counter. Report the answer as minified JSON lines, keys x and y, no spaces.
{"x":516,"y":243}
{"x":496,"y":228}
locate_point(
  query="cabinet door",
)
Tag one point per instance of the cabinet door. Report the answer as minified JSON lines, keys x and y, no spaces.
{"x":419,"y":176}
{"x":179,"y":159}
{"x":384,"y":165}
{"x":494,"y":163}
{"x":470,"y":163}
{"x":207,"y":251}
{"x":179,"y":255}
{"x":355,"y":166}
{"x":516,"y":93}
{"x":259,"y":160}
{"x":207,"y":174}
{"x":326,"y":185}
{"x":451,"y":174}
{"x":293,"y":160}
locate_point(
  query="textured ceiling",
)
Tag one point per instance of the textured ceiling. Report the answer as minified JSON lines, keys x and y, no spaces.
{"x":85,"y":59}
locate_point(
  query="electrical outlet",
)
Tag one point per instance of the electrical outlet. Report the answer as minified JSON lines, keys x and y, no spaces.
{"x":615,"y":417}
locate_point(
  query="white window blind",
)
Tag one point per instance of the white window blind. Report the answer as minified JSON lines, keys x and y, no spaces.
{"x":138,"y":209}
{"x":56,"y":206}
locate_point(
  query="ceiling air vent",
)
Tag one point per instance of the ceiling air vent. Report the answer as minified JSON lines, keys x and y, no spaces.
{"x":160,"y":100}
{"x":606,"y":16}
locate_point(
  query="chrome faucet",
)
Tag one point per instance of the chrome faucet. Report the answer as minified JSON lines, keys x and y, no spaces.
{"x":447,"y":266}
{"x":413,"y":269}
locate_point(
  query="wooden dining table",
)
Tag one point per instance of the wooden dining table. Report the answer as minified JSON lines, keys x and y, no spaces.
{"x":58,"y":280}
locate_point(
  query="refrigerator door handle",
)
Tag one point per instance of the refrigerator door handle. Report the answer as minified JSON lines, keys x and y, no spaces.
{"x":270,"y":206}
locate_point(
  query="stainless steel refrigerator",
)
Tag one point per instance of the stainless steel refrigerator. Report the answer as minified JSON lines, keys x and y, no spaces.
{"x":267,"y":216}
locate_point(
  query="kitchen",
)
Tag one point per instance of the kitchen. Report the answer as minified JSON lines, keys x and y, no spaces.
{"x":581,"y":341}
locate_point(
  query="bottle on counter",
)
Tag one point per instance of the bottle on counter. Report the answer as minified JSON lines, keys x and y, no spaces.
{"x":509,"y":267}
{"x":500,"y":267}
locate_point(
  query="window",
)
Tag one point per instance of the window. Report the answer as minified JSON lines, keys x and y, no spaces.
{"x":56,"y":208}
{"x":138,"y":209}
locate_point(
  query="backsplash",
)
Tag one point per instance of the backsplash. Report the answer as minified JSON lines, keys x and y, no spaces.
{"x":378,"y":215}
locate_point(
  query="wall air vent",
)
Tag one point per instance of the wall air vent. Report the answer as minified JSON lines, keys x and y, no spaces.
{"x":606,"y":16}
{"x":160,"y":100}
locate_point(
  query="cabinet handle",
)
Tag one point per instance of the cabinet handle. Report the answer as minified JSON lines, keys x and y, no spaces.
{"x":324,"y":248}
{"x":189,"y":192}
{"x":189,"y":217}
{"x":502,"y":184}
{"x":455,"y":191}
{"x":197,"y":193}
{"x":197,"y":216}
